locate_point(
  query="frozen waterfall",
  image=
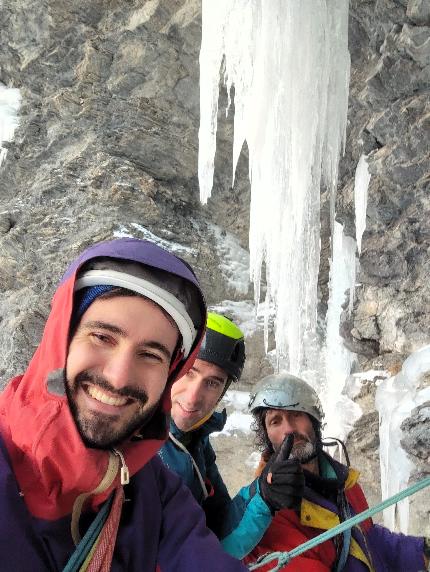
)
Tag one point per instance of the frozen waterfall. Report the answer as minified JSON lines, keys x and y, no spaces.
{"x":287,"y":66}
{"x":9,"y":104}
{"x":361,"y":185}
{"x":290,"y":107}
{"x":341,"y":412}
{"x":395,"y":399}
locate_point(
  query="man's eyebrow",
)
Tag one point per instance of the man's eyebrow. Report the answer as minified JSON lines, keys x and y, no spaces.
{"x":159,"y":346}
{"x":117,"y":330}
{"x":104,"y":326}
{"x":216,"y":378}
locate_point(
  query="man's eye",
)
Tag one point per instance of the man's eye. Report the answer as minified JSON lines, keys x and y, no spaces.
{"x":98,"y":337}
{"x":151,"y":356}
{"x":213,"y":383}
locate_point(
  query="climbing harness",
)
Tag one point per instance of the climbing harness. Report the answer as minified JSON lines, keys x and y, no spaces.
{"x":284,"y":558}
{"x":335,"y":442}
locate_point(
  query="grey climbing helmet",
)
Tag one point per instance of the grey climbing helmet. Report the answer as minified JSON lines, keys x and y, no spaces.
{"x":286,"y":391}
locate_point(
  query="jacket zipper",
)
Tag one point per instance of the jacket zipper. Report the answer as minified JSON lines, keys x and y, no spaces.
{"x":125,"y":475}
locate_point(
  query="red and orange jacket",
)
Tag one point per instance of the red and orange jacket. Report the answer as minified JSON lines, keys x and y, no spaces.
{"x":372,"y":548}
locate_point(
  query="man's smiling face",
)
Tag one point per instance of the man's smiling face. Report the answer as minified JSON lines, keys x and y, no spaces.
{"x":117,"y":367}
{"x":196,"y":394}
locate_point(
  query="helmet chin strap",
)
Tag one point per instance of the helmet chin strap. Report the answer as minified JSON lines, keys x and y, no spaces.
{"x":199,"y":423}
{"x":203,"y":420}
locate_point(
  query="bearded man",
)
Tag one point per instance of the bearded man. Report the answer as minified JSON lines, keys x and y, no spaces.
{"x":81,"y":485}
{"x":288,"y":417}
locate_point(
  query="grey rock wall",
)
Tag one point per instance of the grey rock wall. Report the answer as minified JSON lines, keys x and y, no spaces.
{"x":108,"y":143}
{"x":108,"y":140}
{"x":389,"y":122}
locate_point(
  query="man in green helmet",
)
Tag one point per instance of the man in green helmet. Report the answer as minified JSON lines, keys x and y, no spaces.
{"x":240,"y":522}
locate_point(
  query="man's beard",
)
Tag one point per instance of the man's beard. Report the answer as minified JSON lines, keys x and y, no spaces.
{"x":97,"y":430}
{"x":305,"y":449}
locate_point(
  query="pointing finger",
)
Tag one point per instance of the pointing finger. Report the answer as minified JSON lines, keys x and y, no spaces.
{"x":285,"y":448}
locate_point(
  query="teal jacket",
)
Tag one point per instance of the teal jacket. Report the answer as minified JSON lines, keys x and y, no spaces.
{"x":239,"y":523}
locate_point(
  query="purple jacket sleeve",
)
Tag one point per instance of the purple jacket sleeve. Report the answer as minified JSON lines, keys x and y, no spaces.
{"x":186,"y":544}
{"x":396,"y":552}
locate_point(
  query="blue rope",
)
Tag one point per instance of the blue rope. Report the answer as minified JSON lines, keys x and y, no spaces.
{"x":284,"y":557}
{"x":87,"y":542}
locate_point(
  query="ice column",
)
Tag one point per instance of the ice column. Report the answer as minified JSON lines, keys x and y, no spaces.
{"x":361,"y":185}
{"x":341,"y":412}
{"x":395,"y":399}
{"x":9,"y":105}
{"x":338,"y":359}
{"x":289,"y":65}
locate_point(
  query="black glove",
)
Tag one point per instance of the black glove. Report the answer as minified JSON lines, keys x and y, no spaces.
{"x":287,"y":479}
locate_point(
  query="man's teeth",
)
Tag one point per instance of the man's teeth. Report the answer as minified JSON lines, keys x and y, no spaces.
{"x":104,"y":398}
{"x":189,"y":410}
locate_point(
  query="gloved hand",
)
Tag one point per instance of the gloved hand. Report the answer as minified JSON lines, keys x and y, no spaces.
{"x":282,"y":481}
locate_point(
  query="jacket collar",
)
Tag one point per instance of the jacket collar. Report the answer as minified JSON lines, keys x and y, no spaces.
{"x":214,"y":424}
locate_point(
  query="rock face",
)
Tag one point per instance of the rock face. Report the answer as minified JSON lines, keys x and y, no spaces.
{"x":416,"y":442}
{"x":108,"y":143}
{"x":389,"y":122}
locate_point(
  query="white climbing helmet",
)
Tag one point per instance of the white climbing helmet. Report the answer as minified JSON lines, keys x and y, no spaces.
{"x":286,"y":391}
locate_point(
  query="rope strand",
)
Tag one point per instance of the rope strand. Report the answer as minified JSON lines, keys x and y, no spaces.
{"x":284,"y":557}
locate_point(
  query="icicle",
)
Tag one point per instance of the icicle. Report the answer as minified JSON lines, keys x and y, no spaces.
{"x":9,"y":104}
{"x":361,"y":185}
{"x":289,"y":66}
{"x":341,"y":412}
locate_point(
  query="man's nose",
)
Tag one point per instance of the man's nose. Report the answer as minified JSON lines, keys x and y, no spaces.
{"x":119,"y":369}
{"x":193,"y":392}
{"x":288,"y":426}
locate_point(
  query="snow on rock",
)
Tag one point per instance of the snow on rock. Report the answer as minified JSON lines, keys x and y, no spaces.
{"x":243,"y":313}
{"x":10,"y":99}
{"x":234,"y":260}
{"x":395,"y":399}
{"x":237,"y":399}
{"x":253,"y":459}
{"x":238,"y":419}
{"x":139,"y":231}
{"x":357,"y":380}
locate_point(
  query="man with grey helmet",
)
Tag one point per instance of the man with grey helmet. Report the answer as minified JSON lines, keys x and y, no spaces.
{"x":287,"y":420}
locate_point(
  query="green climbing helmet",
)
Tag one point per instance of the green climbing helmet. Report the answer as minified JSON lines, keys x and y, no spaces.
{"x":223,"y":345}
